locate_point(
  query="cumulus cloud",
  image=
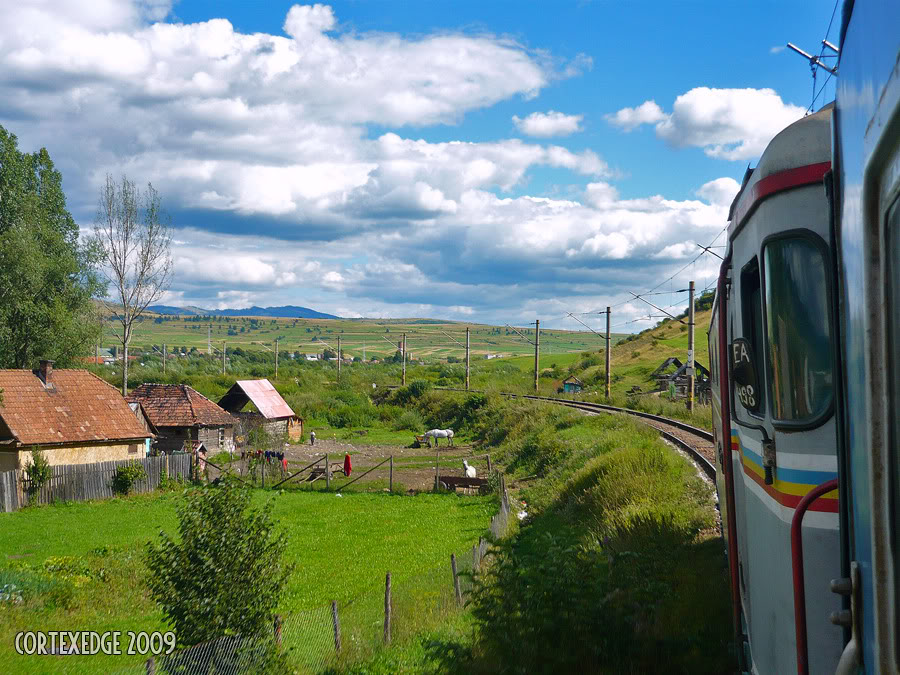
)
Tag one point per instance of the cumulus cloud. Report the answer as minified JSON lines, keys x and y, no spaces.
{"x":294,"y":165}
{"x":731,"y":124}
{"x":628,"y":119}
{"x":548,"y":124}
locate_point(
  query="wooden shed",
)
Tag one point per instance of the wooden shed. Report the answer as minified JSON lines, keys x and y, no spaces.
{"x":572,"y":385}
{"x":182,"y":414}
{"x":272,"y":411}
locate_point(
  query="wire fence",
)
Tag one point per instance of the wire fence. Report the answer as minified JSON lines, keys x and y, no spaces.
{"x":340,"y":634}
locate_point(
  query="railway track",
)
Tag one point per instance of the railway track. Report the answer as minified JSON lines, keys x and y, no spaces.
{"x":697,"y":443}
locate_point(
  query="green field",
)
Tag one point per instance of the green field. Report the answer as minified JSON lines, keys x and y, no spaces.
{"x":81,"y":568}
{"x":426,"y":339}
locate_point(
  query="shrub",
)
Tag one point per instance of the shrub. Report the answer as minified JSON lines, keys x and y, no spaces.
{"x":409,"y":419}
{"x":226,"y":574}
{"x":39,"y":472}
{"x":126,"y":476}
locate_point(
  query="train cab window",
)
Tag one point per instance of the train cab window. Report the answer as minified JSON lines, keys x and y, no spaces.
{"x":798,"y":329}
{"x":752,"y":324}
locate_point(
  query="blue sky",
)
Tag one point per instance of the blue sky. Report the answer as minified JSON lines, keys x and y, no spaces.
{"x":485,"y":161}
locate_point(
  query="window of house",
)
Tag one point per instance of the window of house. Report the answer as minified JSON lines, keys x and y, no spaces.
{"x":798,"y":329}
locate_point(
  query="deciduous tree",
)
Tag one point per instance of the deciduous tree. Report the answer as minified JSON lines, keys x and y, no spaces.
{"x":47,"y":275}
{"x":135,"y":237}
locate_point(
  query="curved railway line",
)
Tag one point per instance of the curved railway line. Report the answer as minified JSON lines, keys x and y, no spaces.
{"x":697,"y":443}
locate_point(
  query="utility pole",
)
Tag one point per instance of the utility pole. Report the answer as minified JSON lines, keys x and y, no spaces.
{"x":164,"y":358}
{"x":340,"y":358}
{"x":690,"y":360}
{"x":276,"y":358}
{"x":404,"y":359}
{"x":467,"y":358}
{"x":209,"y":339}
{"x":608,"y":353}
{"x":223,"y":357}
{"x":537,"y":350}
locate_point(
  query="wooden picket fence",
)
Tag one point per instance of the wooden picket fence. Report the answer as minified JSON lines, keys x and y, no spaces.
{"x":82,"y":482}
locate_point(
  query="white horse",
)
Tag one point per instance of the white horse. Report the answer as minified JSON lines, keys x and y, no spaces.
{"x":439,"y":433}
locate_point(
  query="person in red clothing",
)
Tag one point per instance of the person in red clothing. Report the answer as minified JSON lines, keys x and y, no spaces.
{"x":348,"y":465}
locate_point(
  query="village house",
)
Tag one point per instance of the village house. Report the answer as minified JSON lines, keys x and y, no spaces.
{"x":182,"y":414}
{"x":572,"y":385}
{"x":272,"y":411}
{"x":72,"y":416}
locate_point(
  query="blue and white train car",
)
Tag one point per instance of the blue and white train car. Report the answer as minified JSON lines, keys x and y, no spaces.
{"x":867,"y":214}
{"x":772,"y":342}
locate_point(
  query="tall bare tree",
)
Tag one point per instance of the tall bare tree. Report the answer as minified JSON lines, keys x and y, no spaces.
{"x":135,"y":237}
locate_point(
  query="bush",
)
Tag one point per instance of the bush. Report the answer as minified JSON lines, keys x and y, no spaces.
{"x":411,"y":420}
{"x":126,"y":476}
{"x":226,"y":574}
{"x":39,"y":472}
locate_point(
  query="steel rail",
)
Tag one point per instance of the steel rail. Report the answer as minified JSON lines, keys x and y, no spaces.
{"x":704,"y":464}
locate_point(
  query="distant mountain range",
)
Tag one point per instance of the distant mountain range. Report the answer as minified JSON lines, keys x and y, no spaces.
{"x":284,"y":312}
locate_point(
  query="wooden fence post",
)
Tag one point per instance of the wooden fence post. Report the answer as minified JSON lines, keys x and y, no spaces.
{"x":489,"y":465}
{"x":327,"y":472}
{"x":455,"y":579}
{"x":437,"y":469}
{"x":387,"y":609}
{"x":337,"y":626}
{"x":278,"y":624}
{"x":475,"y":557}
{"x":391,"y":483}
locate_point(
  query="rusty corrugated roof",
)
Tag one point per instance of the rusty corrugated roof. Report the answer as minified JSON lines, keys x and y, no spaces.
{"x":79,"y":407}
{"x":178,"y":405}
{"x":263,"y":395}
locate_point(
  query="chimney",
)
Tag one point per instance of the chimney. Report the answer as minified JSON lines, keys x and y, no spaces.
{"x":46,"y":371}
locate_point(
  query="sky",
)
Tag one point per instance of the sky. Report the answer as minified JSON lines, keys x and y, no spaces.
{"x":480,"y":161}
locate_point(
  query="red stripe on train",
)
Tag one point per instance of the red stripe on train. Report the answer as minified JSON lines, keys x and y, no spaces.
{"x":778,"y":182}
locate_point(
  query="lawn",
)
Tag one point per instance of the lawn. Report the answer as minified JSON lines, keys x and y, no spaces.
{"x":81,"y":568}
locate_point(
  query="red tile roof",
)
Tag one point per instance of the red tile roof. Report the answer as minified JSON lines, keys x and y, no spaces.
{"x":177,"y":405}
{"x":79,"y":407}
{"x":264,"y":396}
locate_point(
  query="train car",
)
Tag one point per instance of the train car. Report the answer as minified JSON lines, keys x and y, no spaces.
{"x":867,"y":214}
{"x":774,"y":346}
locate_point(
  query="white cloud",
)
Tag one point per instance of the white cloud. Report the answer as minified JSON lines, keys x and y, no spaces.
{"x":720,"y":191}
{"x":777,"y":49}
{"x":548,"y":124}
{"x":731,"y":124}
{"x":628,"y":119}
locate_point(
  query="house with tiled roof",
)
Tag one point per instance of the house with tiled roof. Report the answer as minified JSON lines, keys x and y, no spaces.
{"x":268,"y":409}
{"x":73,"y":416}
{"x":182,"y":414}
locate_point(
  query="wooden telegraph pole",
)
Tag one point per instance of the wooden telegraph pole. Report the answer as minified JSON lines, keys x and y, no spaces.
{"x":340,"y":358}
{"x":276,"y":358}
{"x":223,"y":357}
{"x":467,"y":358}
{"x":164,"y":357}
{"x":608,"y":353}
{"x":404,"y":359}
{"x":690,"y":361}
{"x":537,"y":349}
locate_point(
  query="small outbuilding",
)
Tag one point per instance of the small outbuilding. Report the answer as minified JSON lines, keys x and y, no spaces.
{"x":572,"y":385}
{"x":72,"y":416}
{"x":272,"y":411}
{"x":182,"y":414}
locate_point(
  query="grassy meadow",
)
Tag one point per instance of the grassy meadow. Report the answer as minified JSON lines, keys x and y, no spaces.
{"x":79,"y":566}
